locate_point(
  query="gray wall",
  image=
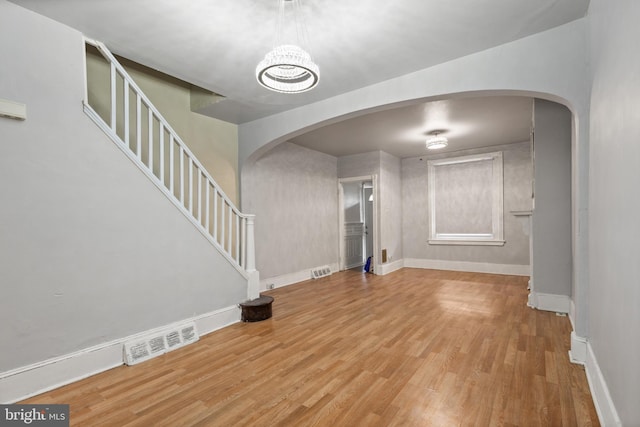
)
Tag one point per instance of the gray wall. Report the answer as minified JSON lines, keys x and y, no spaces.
{"x":359,"y":165}
{"x":551,"y":243}
{"x":391,"y":206}
{"x":517,"y":197}
{"x":90,"y":250}
{"x":293,"y":191}
{"x":614,"y":308}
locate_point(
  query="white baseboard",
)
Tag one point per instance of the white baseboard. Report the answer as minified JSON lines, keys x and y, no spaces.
{"x":212,"y":321}
{"x":390,"y":267}
{"x":605,"y":408}
{"x":550,"y":302}
{"x":31,"y":380}
{"x":532,"y":300}
{"x":291,"y":278}
{"x":578,"y":352}
{"x":474,"y":267}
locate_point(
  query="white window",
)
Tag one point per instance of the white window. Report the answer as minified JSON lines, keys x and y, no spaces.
{"x":466,"y":200}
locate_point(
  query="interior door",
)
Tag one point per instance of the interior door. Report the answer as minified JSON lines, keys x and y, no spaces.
{"x":353,"y":233}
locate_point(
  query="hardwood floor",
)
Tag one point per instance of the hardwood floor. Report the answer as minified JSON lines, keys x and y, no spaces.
{"x":413,"y":348}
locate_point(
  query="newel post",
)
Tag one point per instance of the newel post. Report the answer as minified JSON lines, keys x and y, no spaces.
{"x":253,"y":287}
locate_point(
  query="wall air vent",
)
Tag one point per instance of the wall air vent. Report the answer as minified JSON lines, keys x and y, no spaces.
{"x":145,"y":348}
{"x":319,"y":272}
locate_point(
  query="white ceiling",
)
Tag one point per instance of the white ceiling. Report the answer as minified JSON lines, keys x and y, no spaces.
{"x":216,"y":44}
{"x":465,"y":122}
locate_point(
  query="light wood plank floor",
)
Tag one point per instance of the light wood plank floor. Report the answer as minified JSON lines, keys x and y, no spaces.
{"x":413,"y":348}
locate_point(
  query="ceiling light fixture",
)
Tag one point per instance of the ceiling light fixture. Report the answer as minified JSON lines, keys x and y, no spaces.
{"x":288,"y":68}
{"x":436,"y":142}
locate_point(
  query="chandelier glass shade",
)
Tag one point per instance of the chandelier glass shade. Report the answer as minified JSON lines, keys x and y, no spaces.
{"x":289,"y":68}
{"x":437,"y":142}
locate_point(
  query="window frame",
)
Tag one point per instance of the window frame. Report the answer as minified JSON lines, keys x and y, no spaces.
{"x":496,"y":237}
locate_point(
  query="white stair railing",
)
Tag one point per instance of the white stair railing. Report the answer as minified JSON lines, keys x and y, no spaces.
{"x":139,"y":129}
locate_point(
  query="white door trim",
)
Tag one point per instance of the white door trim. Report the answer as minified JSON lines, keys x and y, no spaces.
{"x":376,"y":216}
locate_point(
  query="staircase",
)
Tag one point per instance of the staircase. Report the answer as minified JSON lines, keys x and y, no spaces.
{"x":144,"y":136}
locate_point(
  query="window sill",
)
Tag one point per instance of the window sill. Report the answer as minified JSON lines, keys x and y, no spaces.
{"x":467,"y":242}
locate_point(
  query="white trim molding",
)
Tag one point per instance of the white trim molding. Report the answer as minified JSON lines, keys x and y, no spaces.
{"x":31,"y":380}
{"x":550,"y":302}
{"x":578,"y":352}
{"x":13,"y":110}
{"x":532,"y":299}
{"x":605,"y":408}
{"x":572,"y":315}
{"x":464,"y":240}
{"x":291,"y":278}
{"x":341,"y":234}
{"x":391,"y":267}
{"x":474,"y":267}
{"x":481,"y":237}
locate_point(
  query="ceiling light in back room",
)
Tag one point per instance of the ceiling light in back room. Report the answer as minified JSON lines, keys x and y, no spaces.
{"x":436,"y":142}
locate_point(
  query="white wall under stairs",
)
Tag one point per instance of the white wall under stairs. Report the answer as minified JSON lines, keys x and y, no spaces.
{"x":90,"y":250}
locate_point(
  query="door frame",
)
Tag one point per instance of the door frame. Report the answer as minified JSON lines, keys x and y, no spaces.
{"x":376,"y":267}
{"x":367,"y":210}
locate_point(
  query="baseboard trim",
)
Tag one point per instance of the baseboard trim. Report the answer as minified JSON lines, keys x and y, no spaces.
{"x":605,"y":408}
{"x":474,"y":267}
{"x":390,"y":267}
{"x":37,"y":378}
{"x":550,"y":302}
{"x":578,"y":352}
{"x":218,"y":319}
{"x":532,"y":300}
{"x":291,"y":278}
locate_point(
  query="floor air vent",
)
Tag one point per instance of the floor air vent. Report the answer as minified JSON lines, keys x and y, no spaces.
{"x":152,"y":345}
{"x":319,"y":272}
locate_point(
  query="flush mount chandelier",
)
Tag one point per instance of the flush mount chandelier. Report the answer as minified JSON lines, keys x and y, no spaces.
{"x":436,"y":141}
{"x":288,"y":68}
